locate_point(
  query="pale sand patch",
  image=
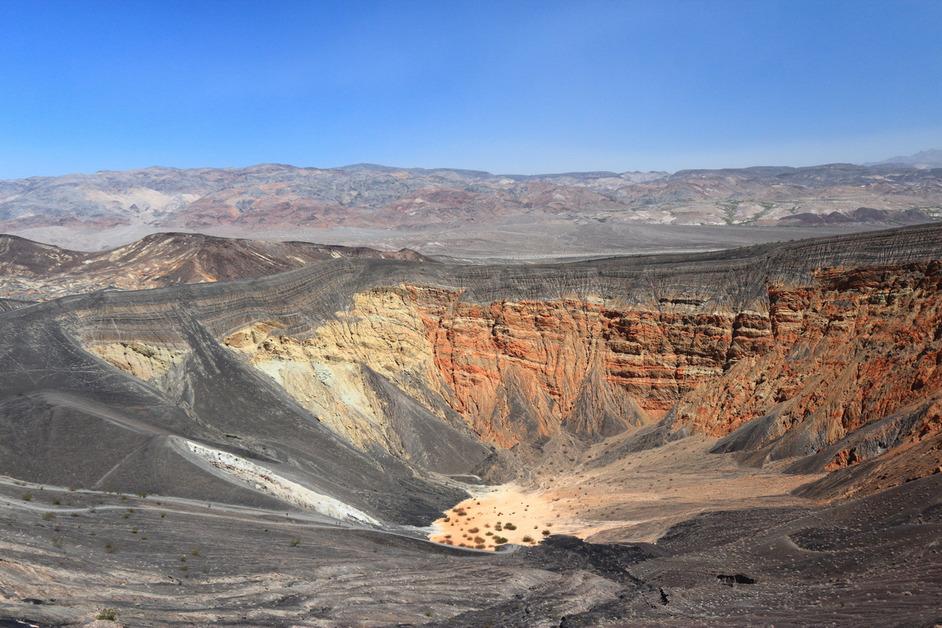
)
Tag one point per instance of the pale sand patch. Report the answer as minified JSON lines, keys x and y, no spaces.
{"x":509,"y":514}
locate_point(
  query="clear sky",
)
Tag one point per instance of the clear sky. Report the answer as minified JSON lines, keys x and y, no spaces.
{"x":507,"y":86}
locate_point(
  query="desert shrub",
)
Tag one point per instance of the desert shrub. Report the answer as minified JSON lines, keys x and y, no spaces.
{"x":528,"y":539}
{"x":107,"y":614}
{"x":48,"y":516}
{"x":545,"y":532}
{"x":27,"y":497}
{"x":510,"y":526}
{"x":295,"y":542}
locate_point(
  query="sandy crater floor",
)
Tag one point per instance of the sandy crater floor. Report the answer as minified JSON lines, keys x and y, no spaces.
{"x":635,"y":498}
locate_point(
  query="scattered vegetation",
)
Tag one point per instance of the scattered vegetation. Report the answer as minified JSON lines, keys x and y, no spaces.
{"x":107,"y":614}
{"x":295,"y":542}
{"x":27,"y":497}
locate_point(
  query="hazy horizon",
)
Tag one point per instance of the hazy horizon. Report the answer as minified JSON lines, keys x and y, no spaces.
{"x":455,"y":168}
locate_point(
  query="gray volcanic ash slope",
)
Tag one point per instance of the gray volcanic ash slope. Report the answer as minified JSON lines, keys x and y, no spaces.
{"x":741,"y":436}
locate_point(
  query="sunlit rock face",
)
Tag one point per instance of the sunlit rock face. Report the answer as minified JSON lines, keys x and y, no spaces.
{"x":516,"y":371}
{"x":827,"y":358}
{"x":851,"y":348}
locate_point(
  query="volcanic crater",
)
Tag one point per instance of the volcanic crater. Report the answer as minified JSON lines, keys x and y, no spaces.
{"x":728,"y":437}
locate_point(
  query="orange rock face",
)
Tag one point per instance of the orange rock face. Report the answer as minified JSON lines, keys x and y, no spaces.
{"x":826,"y":359}
{"x":519,"y":370}
{"x":851,"y":349}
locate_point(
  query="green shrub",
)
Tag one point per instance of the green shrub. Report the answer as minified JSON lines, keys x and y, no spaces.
{"x":107,"y":614}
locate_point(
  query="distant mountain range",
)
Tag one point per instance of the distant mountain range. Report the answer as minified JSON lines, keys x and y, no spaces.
{"x":924,"y":159}
{"x":274,"y":197}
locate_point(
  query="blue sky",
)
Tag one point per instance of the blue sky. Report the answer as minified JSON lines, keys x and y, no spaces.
{"x":517,"y":87}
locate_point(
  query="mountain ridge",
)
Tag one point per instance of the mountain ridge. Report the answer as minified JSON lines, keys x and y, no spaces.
{"x":271,"y":197}
{"x":35,"y":271}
